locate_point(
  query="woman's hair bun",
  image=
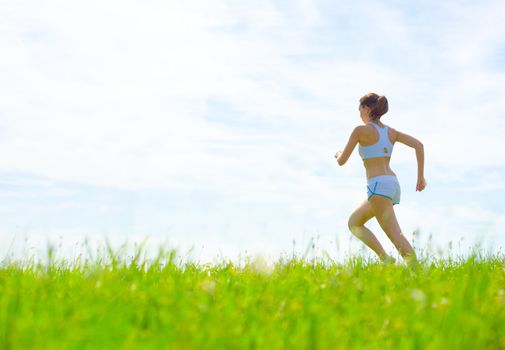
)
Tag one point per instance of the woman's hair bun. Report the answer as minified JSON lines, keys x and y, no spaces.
{"x":377,"y":104}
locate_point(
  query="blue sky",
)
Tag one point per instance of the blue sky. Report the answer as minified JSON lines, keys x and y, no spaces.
{"x":213,"y":124}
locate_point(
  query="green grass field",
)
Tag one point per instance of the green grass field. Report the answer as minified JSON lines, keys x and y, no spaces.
{"x":110,"y":302}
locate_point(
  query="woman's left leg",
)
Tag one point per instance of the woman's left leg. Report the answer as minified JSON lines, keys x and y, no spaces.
{"x":356,"y":224}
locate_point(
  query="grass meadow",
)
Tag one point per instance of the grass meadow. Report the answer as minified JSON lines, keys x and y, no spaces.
{"x":117,"y":301}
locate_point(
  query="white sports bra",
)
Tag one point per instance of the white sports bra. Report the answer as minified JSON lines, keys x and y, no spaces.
{"x":383,"y":147}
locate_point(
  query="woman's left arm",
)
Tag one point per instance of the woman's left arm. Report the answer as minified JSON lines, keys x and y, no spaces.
{"x":343,"y":156}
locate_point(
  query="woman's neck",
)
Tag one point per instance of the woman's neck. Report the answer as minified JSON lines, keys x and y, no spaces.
{"x":376,"y":122}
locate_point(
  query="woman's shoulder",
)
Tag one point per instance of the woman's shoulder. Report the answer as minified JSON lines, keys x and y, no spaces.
{"x":360,"y":130}
{"x":392,"y":133}
{"x":363,"y":133}
{"x":366,"y":129}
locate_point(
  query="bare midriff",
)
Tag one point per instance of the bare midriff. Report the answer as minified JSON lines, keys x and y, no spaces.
{"x":377,"y":166}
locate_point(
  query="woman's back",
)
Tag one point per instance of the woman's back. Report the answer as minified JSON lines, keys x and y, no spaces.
{"x":376,"y":139}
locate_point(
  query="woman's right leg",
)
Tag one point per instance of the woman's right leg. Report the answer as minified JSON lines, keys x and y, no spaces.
{"x":385,"y":215}
{"x":356,"y":224}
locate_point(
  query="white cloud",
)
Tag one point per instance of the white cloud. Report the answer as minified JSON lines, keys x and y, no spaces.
{"x":120,"y":95}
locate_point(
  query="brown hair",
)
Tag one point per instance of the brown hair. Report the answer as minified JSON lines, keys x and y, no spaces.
{"x":378,"y":104}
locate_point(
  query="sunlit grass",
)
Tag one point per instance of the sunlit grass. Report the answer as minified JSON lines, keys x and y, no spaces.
{"x":112,"y":300}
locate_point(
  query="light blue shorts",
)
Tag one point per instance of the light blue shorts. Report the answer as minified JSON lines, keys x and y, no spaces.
{"x":385,"y":186}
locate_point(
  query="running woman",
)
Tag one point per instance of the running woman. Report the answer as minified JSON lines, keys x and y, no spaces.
{"x":376,"y":141}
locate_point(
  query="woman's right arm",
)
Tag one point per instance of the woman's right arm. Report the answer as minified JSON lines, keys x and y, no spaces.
{"x":418,"y":146}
